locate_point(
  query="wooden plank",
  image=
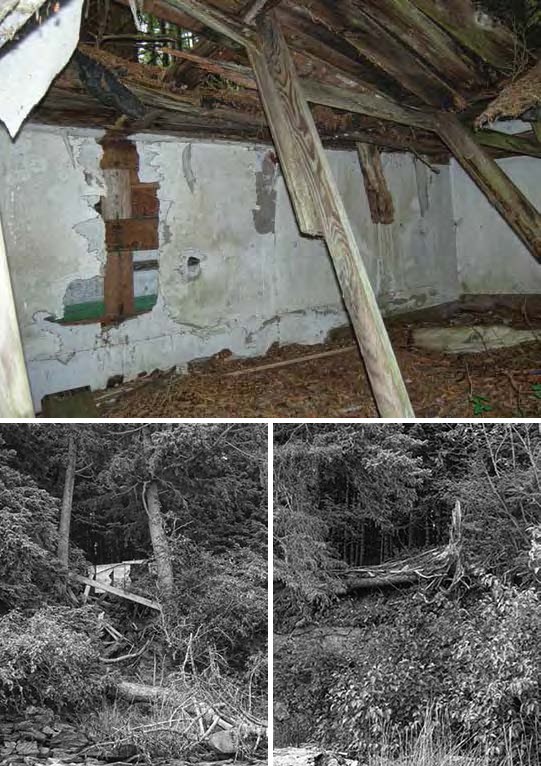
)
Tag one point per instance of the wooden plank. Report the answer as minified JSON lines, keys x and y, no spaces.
{"x":496,"y":46}
{"x":115,"y":591}
{"x":375,"y":43}
{"x":380,"y":200}
{"x":216,"y":20}
{"x":257,"y":8}
{"x":132,"y":234}
{"x":289,"y":362}
{"x":365,"y":103}
{"x":428,"y":41}
{"x":117,"y":205}
{"x":235,"y":72}
{"x":144,"y":200}
{"x":287,"y":108}
{"x":15,"y":397}
{"x":119,"y":153}
{"x":511,"y":203}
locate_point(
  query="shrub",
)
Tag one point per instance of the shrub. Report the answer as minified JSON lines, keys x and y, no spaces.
{"x":477,"y":668}
{"x":48,"y":659}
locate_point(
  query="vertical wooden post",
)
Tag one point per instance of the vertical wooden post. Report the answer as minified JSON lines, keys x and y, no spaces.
{"x":501,"y":192}
{"x":118,"y":278}
{"x":15,"y":397}
{"x":302,"y":156}
{"x":377,"y":191}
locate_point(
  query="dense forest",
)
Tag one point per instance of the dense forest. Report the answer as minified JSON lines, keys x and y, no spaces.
{"x":133,"y":593}
{"x":406,"y":592}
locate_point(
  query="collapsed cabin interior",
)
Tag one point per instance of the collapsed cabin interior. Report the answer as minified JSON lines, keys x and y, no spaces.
{"x":204,"y":183}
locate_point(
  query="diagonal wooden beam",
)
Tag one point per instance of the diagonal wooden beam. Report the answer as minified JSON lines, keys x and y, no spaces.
{"x":366,"y":103}
{"x":220,"y":22}
{"x":501,"y":192}
{"x":257,"y":8}
{"x":496,"y":46}
{"x":302,"y":155}
{"x":15,"y":398}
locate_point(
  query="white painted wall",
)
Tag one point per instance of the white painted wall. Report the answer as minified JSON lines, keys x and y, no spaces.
{"x":491,"y":258}
{"x":254,"y":288}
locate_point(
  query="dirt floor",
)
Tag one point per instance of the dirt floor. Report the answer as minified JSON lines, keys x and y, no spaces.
{"x":502,"y":383}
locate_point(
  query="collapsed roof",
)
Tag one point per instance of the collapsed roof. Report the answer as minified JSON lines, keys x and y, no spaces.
{"x":159,"y":66}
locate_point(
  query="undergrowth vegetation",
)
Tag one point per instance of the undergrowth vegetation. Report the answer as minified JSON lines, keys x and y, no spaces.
{"x":414,"y":675}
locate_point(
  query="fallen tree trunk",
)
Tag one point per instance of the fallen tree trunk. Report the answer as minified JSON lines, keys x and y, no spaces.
{"x":134,"y":692}
{"x":432,"y":567}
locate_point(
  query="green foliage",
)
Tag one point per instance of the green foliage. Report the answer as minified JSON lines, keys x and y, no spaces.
{"x":28,"y":517}
{"x":480,"y":405}
{"x":48,"y":659}
{"x":220,"y":601}
{"x":475,"y":664}
{"x":497,"y":675}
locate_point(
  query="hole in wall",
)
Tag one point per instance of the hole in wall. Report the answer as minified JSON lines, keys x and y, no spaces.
{"x":193,"y":267}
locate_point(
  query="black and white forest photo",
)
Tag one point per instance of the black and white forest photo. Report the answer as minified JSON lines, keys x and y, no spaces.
{"x":133,"y":594}
{"x":407,"y":612}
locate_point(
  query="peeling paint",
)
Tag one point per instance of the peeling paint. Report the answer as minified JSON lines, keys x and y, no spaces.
{"x":422,"y":179}
{"x":221,"y":283}
{"x":265,"y":184}
{"x":187,"y":167}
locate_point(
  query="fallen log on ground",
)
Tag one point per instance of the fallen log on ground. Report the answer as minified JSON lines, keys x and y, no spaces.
{"x":220,"y":726}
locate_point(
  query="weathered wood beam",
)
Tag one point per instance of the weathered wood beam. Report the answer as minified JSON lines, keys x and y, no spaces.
{"x":379,"y":196}
{"x":301,"y":153}
{"x":214,"y":19}
{"x":509,"y":144}
{"x":429,"y":42}
{"x":238,"y":74}
{"x":383,"y":50}
{"x":496,"y":46}
{"x":257,"y":8}
{"x":373,"y":106}
{"x":15,"y":397}
{"x":126,"y":595}
{"x":510,"y":202}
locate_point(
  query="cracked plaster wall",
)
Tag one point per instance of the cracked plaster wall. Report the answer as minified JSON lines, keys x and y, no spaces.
{"x":233,"y":270}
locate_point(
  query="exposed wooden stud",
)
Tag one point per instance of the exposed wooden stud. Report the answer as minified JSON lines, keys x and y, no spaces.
{"x":287,"y":108}
{"x":131,"y":234}
{"x":118,"y":277}
{"x":510,"y":202}
{"x":380,"y":200}
{"x":15,"y":397}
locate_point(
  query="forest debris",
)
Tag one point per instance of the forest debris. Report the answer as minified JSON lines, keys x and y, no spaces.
{"x":116,"y":591}
{"x":431,"y":567}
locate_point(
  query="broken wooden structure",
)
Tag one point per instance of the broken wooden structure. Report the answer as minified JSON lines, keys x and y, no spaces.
{"x":381,"y":75}
{"x":440,"y":567}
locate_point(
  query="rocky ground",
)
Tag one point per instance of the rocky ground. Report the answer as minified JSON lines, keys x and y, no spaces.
{"x":40,"y":737}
